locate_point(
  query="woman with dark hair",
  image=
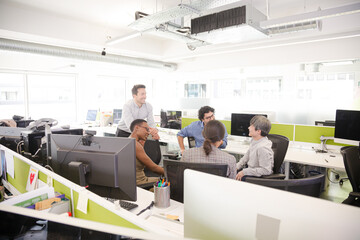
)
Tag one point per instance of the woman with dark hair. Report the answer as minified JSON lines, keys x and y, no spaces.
{"x":213,"y":133}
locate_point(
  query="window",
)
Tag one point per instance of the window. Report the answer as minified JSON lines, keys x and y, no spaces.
{"x":194,"y":90}
{"x":12,"y":95}
{"x":52,"y":96}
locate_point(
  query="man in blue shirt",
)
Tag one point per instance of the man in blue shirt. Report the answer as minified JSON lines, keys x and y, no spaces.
{"x":195,"y":129}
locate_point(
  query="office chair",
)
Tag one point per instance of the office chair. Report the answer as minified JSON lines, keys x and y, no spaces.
{"x":191,"y":141}
{"x":310,"y":186}
{"x":152,"y":149}
{"x":279,"y":146}
{"x":351,"y":157}
{"x":174,"y":172}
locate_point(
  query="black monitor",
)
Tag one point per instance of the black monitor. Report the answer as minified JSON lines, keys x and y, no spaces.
{"x":240,"y":123}
{"x":170,"y":119}
{"x":91,"y":115}
{"x":105,"y":164}
{"x":117,"y":114}
{"x":174,"y":172}
{"x":347,"y":127}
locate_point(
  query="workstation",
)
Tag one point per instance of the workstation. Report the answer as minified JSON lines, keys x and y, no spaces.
{"x":298,"y":64}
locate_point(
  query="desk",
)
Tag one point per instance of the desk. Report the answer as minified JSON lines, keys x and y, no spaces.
{"x":157,"y":216}
{"x":301,"y":153}
{"x":297,"y":152}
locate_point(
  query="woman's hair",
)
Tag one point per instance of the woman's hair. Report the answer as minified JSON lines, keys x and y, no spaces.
{"x":213,"y":131}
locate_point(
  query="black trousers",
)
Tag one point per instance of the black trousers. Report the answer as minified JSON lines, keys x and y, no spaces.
{"x":122,"y":133}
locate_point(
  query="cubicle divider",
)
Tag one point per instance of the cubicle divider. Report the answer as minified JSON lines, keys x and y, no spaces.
{"x":298,"y":133}
{"x":98,"y":209}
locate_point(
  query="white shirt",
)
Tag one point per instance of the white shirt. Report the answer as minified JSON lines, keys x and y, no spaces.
{"x":132,"y":111}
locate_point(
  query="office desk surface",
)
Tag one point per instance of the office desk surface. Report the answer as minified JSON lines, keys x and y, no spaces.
{"x":296,"y":152}
{"x":157,"y":216}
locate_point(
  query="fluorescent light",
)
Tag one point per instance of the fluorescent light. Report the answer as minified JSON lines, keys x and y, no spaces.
{"x":123,"y":38}
{"x":337,"y":63}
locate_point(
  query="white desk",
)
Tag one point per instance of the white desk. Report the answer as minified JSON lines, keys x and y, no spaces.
{"x":297,"y":152}
{"x":157,"y":216}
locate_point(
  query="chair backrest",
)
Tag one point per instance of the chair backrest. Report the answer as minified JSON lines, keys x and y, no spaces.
{"x":279,"y":146}
{"x":352,"y":165}
{"x":191,"y":141}
{"x":310,"y":186}
{"x":174,"y":172}
{"x":152,"y":149}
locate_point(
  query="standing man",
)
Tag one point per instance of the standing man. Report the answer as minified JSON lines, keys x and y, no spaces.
{"x":140,"y":131}
{"x":205,"y":115}
{"x":137,"y":108}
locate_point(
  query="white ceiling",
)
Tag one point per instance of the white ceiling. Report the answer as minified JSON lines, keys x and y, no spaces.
{"x":88,"y":24}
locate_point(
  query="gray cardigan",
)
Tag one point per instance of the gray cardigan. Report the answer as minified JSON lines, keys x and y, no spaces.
{"x":259,"y":158}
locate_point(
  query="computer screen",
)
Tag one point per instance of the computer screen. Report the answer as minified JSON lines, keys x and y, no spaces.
{"x":117,"y":113}
{"x":347,"y":127}
{"x":240,"y":123}
{"x":91,"y":115}
{"x":221,"y":208}
{"x":105,"y":164}
{"x":170,"y":119}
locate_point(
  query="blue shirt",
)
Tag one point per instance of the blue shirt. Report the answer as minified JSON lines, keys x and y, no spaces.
{"x":195,"y":130}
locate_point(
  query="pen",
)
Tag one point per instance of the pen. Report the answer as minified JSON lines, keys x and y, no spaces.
{"x":326,"y":161}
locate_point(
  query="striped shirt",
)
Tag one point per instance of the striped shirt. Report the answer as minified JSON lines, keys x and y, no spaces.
{"x":215,"y":156}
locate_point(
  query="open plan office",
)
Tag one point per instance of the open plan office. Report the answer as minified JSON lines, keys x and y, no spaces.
{"x":67,"y":70}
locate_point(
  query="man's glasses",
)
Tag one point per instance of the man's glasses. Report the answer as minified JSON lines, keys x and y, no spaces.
{"x":209,"y":117}
{"x":146,"y":128}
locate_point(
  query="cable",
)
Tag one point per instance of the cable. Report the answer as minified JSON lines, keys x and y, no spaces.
{"x":48,"y":167}
{"x":18,"y":147}
{"x":76,"y":144}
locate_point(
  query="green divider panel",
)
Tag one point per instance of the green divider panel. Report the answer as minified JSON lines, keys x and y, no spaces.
{"x":283,"y":129}
{"x":312,"y":134}
{"x":20,"y":176}
{"x":227,"y":124}
{"x":187,"y":121}
{"x":100,"y":214}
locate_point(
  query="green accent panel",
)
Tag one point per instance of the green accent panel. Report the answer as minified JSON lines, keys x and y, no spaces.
{"x":100,"y":214}
{"x":283,"y":129}
{"x":227,"y":124}
{"x":21,"y":175}
{"x":43,"y":177}
{"x":186,"y":121}
{"x":312,"y":134}
{"x":61,"y":188}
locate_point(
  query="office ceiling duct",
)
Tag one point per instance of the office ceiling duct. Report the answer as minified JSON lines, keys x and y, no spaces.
{"x":35,"y":48}
{"x":237,"y":24}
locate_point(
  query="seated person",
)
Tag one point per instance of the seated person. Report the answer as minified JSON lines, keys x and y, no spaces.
{"x":195,"y":129}
{"x":260,"y":157}
{"x":140,"y":131}
{"x":213,"y":133}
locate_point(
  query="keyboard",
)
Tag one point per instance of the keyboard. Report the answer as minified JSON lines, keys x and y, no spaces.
{"x":124,"y":204}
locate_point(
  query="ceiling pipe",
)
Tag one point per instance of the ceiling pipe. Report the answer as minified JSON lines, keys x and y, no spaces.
{"x":35,"y":48}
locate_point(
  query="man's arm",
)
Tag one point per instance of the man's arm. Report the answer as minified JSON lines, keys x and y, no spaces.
{"x":181,"y":144}
{"x":224,"y":140}
{"x":144,"y":158}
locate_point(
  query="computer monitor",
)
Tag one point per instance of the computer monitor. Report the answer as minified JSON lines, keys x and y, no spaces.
{"x":105,"y":164}
{"x":170,"y":119}
{"x":174,"y":172}
{"x":91,"y":115}
{"x":347,"y":127}
{"x":240,"y":123}
{"x":117,"y":113}
{"x":221,"y":208}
